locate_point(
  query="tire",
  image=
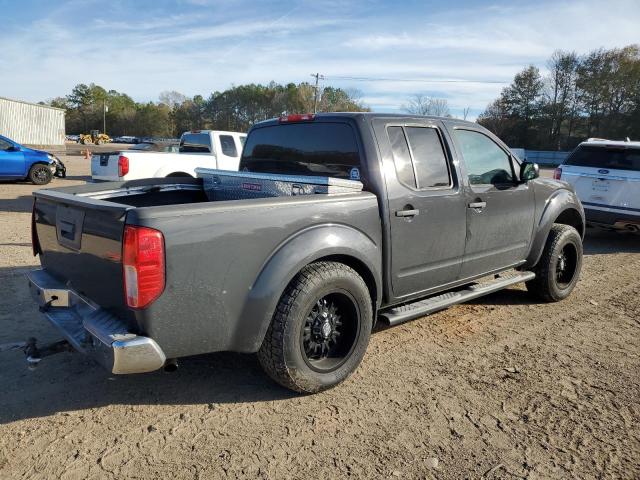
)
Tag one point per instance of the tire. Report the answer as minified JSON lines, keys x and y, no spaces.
{"x":40,"y":174}
{"x":558,"y":269}
{"x":299,"y":351}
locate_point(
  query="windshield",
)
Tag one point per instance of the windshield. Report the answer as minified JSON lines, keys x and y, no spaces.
{"x":195,"y":143}
{"x":611,"y":157}
{"x":325,"y":149}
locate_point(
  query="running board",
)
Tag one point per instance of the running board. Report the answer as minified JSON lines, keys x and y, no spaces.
{"x":429,"y":305}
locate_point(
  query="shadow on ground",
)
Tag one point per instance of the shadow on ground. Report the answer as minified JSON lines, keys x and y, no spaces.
{"x":598,"y":241}
{"x":22,"y":203}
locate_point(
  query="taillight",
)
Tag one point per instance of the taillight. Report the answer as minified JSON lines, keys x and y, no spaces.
{"x":300,"y":117}
{"x":557,"y":173}
{"x":35,"y":241}
{"x":123,"y":166}
{"x":142,"y":265}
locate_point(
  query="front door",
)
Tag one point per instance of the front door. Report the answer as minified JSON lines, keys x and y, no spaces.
{"x":426,"y":207}
{"x":500,"y":208}
{"x":11,"y":161}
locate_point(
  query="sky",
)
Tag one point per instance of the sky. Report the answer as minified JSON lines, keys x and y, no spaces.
{"x":465,"y":51}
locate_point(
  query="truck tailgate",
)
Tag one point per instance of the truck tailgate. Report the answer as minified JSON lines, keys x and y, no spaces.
{"x":104,"y":166}
{"x":80,"y":243}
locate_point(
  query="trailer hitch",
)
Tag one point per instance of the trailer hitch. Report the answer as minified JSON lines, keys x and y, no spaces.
{"x":35,"y":354}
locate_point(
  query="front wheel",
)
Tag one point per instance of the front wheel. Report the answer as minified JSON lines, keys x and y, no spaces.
{"x":559,"y":267}
{"x":320,"y":330}
{"x":40,"y":174}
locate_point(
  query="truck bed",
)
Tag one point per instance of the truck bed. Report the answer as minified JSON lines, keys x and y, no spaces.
{"x":215,"y":251}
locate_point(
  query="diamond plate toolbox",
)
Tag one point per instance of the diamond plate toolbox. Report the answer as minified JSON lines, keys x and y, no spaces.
{"x":229,"y":185}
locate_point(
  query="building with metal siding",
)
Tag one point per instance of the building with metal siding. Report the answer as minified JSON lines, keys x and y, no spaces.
{"x":30,"y":123}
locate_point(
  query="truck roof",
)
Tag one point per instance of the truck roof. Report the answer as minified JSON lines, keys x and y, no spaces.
{"x":602,"y":142}
{"x":362,"y":115}
{"x":217,"y":131}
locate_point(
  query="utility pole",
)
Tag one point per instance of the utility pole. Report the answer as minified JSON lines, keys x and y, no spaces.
{"x":105,"y":109}
{"x":318,"y":77}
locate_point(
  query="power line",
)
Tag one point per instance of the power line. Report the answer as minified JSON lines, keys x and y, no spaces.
{"x":413,"y":80}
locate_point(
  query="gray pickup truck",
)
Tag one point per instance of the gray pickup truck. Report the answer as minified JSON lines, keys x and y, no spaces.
{"x":141,"y":273}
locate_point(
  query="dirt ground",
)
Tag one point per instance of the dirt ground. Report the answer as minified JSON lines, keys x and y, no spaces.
{"x":501,"y":388}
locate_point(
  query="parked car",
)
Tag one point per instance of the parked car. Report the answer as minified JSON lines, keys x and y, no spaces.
{"x":125,"y":139}
{"x":157,"y":146}
{"x":606,"y":177}
{"x":143,"y":272}
{"x":18,"y":162}
{"x":201,"y":148}
{"x":72,"y":138}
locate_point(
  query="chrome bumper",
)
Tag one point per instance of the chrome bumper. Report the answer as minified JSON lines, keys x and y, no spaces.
{"x":93,"y":331}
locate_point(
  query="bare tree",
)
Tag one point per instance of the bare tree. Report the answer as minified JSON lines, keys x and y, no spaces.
{"x":171,"y":98}
{"x":562,"y":92}
{"x":424,"y":105}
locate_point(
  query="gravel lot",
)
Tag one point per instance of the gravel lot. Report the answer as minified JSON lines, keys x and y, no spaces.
{"x":499,"y":388}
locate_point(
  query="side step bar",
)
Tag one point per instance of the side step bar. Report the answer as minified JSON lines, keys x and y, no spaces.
{"x":424,"y":307}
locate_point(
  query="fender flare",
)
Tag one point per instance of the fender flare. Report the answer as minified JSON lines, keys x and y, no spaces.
{"x":341,"y":242}
{"x":562,"y":203}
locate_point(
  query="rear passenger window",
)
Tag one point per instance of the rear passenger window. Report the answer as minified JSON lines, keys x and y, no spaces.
{"x":401,"y":156}
{"x":419,"y":157}
{"x":228,"y":146}
{"x":430,"y":162}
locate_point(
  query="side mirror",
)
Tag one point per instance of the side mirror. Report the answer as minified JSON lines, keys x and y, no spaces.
{"x":529,"y":171}
{"x":13,"y":148}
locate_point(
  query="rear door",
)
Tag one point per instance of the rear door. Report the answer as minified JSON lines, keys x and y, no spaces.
{"x":426,"y":207}
{"x":11,"y":162}
{"x":499,"y":208}
{"x":605,"y":176}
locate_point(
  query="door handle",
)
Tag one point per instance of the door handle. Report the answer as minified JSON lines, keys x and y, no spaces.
{"x":477,"y":204}
{"x":407,"y":213}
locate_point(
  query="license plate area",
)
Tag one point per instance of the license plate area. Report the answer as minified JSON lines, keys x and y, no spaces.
{"x":600,"y":185}
{"x":69,"y":223}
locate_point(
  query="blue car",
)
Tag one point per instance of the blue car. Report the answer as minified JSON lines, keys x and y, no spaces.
{"x":20,"y":163}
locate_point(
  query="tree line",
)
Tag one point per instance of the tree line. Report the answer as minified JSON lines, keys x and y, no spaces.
{"x":582,"y":96}
{"x":235,"y":109}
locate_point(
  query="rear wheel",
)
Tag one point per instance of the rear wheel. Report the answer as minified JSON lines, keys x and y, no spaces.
{"x":559,"y":267}
{"x":40,"y":174}
{"x":320,"y":330}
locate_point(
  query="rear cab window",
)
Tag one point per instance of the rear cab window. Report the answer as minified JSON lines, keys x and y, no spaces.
{"x":314,"y":148}
{"x":612,"y":157}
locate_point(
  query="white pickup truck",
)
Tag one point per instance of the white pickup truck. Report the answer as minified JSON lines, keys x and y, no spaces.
{"x":198,"y":148}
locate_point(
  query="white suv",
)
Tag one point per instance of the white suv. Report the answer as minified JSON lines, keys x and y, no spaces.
{"x":606,"y":176}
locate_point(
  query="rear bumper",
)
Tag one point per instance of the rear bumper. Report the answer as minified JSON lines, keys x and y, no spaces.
{"x":93,"y":331}
{"x":612,"y":219}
